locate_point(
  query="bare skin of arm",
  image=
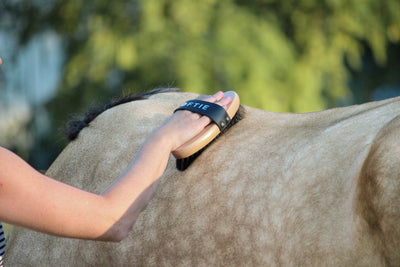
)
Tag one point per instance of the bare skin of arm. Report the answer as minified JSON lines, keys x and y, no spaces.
{"x":33,"y":200}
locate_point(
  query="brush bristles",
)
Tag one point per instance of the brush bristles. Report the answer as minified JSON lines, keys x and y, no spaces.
{"x":182,"y":164}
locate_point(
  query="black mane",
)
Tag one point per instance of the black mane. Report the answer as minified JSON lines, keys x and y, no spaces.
{"x":74,"y":126}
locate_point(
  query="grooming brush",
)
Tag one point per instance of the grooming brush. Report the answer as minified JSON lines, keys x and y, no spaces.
{"x":222,"y":120}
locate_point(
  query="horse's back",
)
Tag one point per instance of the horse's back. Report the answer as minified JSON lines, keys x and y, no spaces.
{"x":276,"y":189}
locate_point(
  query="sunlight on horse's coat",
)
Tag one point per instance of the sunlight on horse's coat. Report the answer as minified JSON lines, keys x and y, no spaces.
{"x":316,"y":189}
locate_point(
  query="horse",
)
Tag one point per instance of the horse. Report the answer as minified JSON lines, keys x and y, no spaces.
{"x":277,"y":189}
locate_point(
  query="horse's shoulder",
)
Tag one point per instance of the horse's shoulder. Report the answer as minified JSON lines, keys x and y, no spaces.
{"x":378,"y":192}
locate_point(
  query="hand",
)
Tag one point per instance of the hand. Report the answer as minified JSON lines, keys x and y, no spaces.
{"x":185,"y":125}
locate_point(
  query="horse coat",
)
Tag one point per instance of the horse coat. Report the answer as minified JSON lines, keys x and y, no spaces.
{"x":314,"y":189}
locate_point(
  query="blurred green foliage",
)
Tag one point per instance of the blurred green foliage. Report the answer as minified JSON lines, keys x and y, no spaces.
{"x":280,"y":55}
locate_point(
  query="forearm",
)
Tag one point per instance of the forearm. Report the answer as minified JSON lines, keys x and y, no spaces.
{"x":132,"y":191}
{"x":32,"y":200}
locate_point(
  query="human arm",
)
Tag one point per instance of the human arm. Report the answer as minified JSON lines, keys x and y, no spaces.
{"x":30,"y":199}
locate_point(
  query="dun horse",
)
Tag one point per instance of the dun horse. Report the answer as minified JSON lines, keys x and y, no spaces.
{"x":315,"y":189}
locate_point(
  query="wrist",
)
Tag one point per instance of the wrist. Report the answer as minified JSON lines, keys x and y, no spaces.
{"x":161,"y":140}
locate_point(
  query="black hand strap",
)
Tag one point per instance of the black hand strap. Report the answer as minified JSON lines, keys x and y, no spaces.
{"x":213,"y":111}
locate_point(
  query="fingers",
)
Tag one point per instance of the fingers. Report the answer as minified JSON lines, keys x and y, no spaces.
{"x":215,"y":97}
{"x":1,"y":61}
{"x":225,"y":102}
{"x":219,"y":99}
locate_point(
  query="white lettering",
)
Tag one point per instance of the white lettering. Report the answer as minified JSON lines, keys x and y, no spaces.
{"x":196,"y":105}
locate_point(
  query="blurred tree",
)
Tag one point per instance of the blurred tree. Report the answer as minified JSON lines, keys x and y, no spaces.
{"x":377,"y":81}
{"x":280,"y":55}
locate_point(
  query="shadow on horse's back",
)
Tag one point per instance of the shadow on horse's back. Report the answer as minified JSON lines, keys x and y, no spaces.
{"x":277,"y":189}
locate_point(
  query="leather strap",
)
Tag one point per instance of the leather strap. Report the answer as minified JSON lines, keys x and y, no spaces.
{"x":210,"y":132}
{"x":214,"y":111}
